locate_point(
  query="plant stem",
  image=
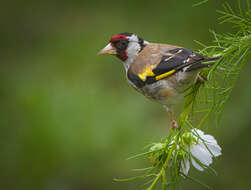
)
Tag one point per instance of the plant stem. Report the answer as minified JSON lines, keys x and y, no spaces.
{"x":162,"y":171}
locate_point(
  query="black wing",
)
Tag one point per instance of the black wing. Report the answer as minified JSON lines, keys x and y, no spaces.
{"x":176,"y":60}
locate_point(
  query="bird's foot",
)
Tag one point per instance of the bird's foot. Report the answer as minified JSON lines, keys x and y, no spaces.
{"x":174,"y":125}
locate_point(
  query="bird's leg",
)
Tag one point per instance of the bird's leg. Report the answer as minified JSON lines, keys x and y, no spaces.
{"x":201,"y":79}
{"x":173,"y":123}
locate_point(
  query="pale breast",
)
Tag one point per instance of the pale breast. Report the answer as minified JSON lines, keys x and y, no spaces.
{"x":169,"y":90}
{"x":162,"y":91}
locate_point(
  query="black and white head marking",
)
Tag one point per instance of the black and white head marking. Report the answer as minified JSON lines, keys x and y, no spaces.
{"x":135,"y":46}
{"x":126,"y":46}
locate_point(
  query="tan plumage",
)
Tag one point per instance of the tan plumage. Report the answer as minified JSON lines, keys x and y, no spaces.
{"x":150,"y":56}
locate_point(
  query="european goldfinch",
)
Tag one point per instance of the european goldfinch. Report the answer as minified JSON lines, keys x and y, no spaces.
{"x":161,"y":72}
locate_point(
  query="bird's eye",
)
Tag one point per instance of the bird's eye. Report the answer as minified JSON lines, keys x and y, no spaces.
{"x":121,"y":45}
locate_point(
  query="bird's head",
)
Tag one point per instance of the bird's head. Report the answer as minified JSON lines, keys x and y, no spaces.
{"x":125,"y":46}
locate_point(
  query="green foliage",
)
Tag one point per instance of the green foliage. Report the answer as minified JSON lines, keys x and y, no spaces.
{"x":234,"y":49}
{"x":203,"y":99}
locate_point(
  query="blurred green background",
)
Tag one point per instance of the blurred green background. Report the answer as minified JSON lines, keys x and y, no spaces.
{"x":68,"y":118}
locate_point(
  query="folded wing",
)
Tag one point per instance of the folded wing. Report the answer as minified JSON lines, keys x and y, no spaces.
{"x":158,"y":61}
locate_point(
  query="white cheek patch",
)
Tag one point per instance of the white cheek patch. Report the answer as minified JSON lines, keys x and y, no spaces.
{"x":133,"y":46}
{"x":132,"y":49}
{"x":133,"y":38}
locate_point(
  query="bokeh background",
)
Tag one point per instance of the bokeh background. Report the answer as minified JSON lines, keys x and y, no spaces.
{"x":68,"y":118}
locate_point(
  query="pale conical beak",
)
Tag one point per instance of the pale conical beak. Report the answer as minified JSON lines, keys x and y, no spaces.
{"x":108,"y":50}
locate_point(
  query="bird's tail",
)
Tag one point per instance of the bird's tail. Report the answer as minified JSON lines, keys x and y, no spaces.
{"x":200,"y":65}
{"x":207,"y":59}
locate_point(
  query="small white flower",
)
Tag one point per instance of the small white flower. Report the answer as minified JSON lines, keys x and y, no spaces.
{"x":202,"y":147}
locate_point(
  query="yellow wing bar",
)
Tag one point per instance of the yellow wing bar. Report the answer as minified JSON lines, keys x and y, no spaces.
{"x":149,"y":73}
{"x":164,"y":75}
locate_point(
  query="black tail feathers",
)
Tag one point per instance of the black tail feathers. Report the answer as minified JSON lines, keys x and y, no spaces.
{"x":211,"y":58}
{"x":200,"y":65}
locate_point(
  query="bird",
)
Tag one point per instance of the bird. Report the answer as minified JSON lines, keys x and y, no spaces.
{"x":161,"y":72}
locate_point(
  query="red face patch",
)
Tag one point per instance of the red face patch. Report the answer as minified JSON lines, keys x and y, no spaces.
{"x":117,"y":38}
{"x":122,"y":55}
